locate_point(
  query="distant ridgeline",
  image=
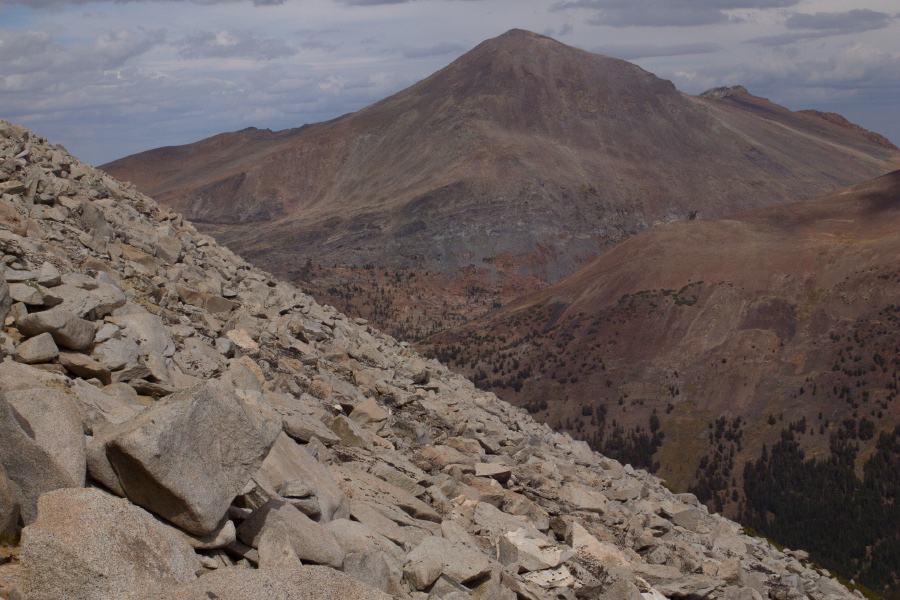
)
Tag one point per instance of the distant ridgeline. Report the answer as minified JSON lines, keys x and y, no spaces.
{"x":823,"y":506}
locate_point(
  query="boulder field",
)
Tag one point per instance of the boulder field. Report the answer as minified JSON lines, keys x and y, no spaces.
{"x":176,"y":424}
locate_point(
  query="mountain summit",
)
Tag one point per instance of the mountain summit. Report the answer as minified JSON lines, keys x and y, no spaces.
{"x":524,"y":152}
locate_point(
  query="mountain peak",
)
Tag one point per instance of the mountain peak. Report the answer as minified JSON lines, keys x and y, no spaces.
{"x":724,"y":92}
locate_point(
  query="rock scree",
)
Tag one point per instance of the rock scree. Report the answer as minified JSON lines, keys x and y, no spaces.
{"x":232,"y":433}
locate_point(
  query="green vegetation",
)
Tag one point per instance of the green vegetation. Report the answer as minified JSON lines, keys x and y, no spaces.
{"x":848,"y":524}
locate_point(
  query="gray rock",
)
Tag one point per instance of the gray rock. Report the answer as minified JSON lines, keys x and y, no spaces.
{"x":55,"y":424}
{"x":311,"y":541}
{"x":102,"y":407}
{"x":362,"y":486}
{"x":115,"y":354}
{"x":276,"y":549}
{"x":84,"y":366}
{"x":494,"y":523}
{"x":529,"y":552}
{"x":436,"y":556}
{"x":223,"y":536}
{"x":368,"y":412}
{"x":32,"y":294}
{"x":49,"y":275}
{"x":688,"y":518}
{"x":355,"y":537}
{"x":200,"y":359}
{"x":31,"y":468}
{"x":169,"y":248}
{"x":583,"y":498}
{"x":187,"y":456}
{"x":94,"y":222}
{"x":372,"y":569}
{"x":79,"y":302}
{"x":89,"y":545}
{"x":67,"y":330}
{"x":108,"y":297}
{"x":147,"y":330}
{"x":350,"y":433}
{"x":304,"y":427}
{"x":501,"y":473}
{"x":287,"y":461}
{"x":307,"y":582}
{"x":367,"y":515}
{"x":39,"y":349}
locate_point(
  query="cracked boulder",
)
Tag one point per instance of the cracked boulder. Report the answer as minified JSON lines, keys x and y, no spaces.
{"x":186,"y":457}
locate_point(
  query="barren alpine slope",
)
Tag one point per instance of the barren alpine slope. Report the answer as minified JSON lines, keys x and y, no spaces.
{"x":691,"y":346}
{"x":524,"y":157}
{"x":175,"y":423}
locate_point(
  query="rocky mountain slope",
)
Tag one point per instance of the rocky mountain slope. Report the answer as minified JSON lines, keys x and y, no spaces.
{"x":524,"y":158}
{"x":692,"y":346}
{"x":175,"y":423}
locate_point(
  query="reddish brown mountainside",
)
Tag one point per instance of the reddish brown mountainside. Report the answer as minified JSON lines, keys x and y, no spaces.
{"x":523,"y":145}
{"x":774,"y":315}
{"x":516,"y":164}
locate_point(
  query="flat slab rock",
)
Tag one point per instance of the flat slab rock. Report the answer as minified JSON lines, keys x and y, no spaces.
{"x":298,"y":583}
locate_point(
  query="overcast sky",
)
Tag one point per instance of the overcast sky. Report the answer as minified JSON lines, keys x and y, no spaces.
{"x":110,"y":78}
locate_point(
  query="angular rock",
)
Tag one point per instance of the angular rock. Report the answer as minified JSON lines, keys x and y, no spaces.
{"x":39,"y":349}
{"x":435,"y":556}
{"x":87,"y":544}
{"x":79,"y":302}
{"x":55,"y":423}
{"x":368,"y":412}
{"x":84,"y":366}
{"x":288,"y":461}
{"x":32,"y":469}
{"x":303,"y":427}
{"x":147,"y":330}
{"x":114,"y":354}
{"x":67,"y":330}
{"x":32,"y":294}
{"x":187,"y":456}
{"x":591,"y":550}
{"x":200,"y":359}
{"x":350,"y":433}
{"x":358,"y":538}
{"x":223,"y":536}
{"x":530,"y":553}
{"x":311,"y":541}
{"x":373,"y":570}
{"x":108,"y":297}
{"x":583,"y":498}
{"x":501,"y":473}
{"x":361,"y":486}
{"x":494,"y":522}
{"x":559,"y":577}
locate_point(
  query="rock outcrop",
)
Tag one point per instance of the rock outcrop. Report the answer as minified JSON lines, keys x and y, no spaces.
{"x":248,"y":431}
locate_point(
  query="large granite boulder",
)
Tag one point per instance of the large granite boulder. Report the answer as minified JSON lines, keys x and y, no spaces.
{"x":187,"y":456}
{"x":89,"y":545}
{"x":31,"y":468}
{"x":55,"y":423}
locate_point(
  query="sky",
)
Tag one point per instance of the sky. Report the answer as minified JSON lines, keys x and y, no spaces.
{"x":109,"y":78}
